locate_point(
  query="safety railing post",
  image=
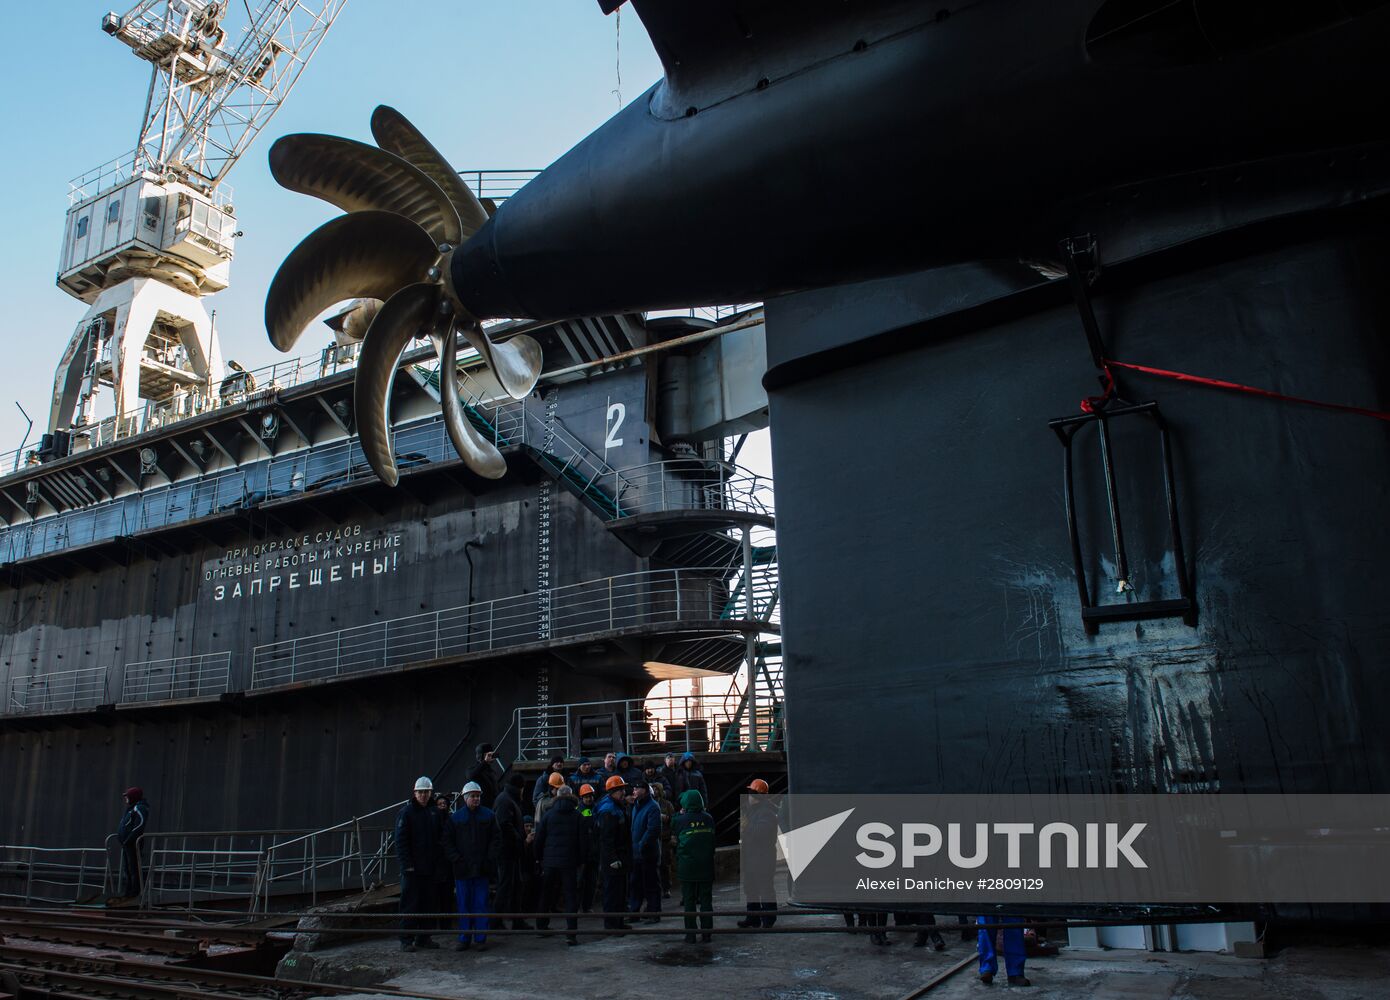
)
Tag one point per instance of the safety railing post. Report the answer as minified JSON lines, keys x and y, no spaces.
{"x":29,"y":879}
{"x":361,"y":862}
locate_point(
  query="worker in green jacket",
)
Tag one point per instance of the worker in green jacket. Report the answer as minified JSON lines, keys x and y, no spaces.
{"x":693,"y":831}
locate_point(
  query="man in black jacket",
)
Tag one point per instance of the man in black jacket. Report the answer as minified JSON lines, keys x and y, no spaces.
{"x":669,"y":772}
{"x":511,"y":834}
{"x":758,"y":857}
{"x":559,"y":848}
{"x":472,"y":844}
{"x":614,"y":852}
{"x":128,"y":834}
{"x":417,"y":850}
{"x":588,"y":839}
{"x":486,"y":774}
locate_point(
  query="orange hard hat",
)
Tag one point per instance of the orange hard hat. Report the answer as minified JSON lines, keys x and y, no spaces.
{"x":586,"y":790}
{"x":758,"y":785}
{"x":614,"y":782}
{"x":555,"y":780}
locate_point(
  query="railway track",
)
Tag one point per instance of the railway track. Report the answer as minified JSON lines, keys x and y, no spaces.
{"x":940,"y":978}
{"x":93,"y":955}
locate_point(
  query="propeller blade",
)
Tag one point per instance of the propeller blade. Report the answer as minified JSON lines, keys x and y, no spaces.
{"x":477,"y":452}
{"x":357,"y":177}
{"x":398,"y":321}
{"x":362,"y":255}
{"x":516,"y":362}
{"x":394,"y":132}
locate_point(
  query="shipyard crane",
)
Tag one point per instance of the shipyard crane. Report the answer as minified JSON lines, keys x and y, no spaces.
{"x":151,"y":234}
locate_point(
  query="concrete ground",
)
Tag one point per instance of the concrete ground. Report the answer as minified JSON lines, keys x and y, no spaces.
{"x":825,"y":966}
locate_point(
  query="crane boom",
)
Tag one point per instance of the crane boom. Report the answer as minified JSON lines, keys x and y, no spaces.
{"x":209,"y":97}
{"x":150,"y":235}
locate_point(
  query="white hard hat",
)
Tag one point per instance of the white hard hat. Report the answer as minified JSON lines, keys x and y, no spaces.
{"x":424,"y":785}
{"x":472,"y":786}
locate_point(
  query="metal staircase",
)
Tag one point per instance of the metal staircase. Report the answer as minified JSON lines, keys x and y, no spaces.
{"x":541,"y":436}
{"x":760,"y":702}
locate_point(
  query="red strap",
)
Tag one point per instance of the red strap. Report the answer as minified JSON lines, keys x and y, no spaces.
{"x":1093,"y":403}
{"x":1088,"y":404}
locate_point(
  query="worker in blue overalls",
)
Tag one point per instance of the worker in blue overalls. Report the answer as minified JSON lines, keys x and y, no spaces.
{"x":1014,"y":953}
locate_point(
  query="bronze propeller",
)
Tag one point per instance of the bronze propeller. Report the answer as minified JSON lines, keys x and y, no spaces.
{"x":408,"y":211}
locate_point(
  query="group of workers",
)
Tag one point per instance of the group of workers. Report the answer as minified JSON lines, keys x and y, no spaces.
{"x":495,"y":853}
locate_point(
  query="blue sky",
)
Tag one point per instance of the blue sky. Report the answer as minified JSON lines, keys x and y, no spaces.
{"x":506,"y":84}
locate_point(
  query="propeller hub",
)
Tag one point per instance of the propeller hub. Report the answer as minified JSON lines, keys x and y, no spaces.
{"x":408,"y":212}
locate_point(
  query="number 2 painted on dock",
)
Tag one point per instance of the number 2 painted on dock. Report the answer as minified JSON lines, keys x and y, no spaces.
{"x":616,"y":413}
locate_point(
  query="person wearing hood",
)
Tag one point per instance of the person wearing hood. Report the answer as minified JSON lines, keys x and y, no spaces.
{"x":615,"y":852}
{"x":693,"y":830}
{"x":472,"y":842}
{"x":559,"y":850}
{"x":543,"y":785}
{"x":128,"y":834}
{"x":628,"y":771}
{"x":417,"y":849}
{"x":690,"y":776}
{"x":487,"y":774}
{"x":645,"y":883}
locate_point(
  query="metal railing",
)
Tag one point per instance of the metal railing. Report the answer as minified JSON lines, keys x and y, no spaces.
{"x":128,"y":166}
{"x":199,"y":676}
{"x":654,"y":597}
{"x":690,"y":484}
{"x":685,"y":484}
{"x":62,"y":691}
{"x":259,"y":866}
{"x":656,"y":725}
{"x":662,"y":486}
{"x":507,"y":422}
{"x":233,"y":388}
{"x":197,"y":868}
{"x":53,"y":875}
{"x":499,"y":185}
{"x":357,"y":853}
{"x":143,"y":511}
